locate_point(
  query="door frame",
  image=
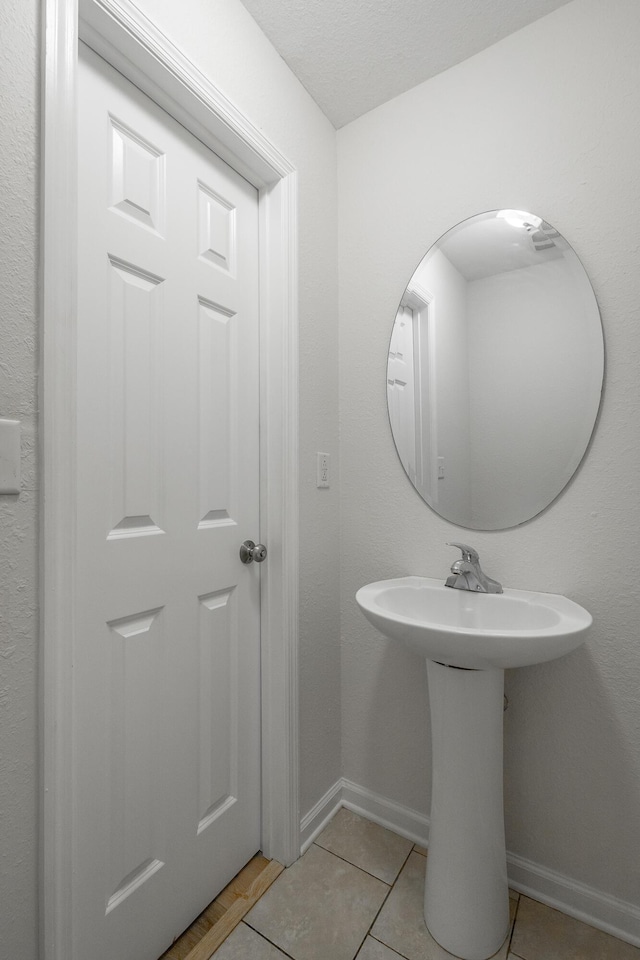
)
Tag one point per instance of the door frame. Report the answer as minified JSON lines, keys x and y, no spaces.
{"x":422,"y":302}
{"x":130,"y":42}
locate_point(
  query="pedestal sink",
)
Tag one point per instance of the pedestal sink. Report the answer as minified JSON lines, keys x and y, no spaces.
{"x":468,"y":640}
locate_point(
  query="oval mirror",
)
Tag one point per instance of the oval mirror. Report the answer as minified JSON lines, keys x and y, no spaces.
{"x":495,"y":370}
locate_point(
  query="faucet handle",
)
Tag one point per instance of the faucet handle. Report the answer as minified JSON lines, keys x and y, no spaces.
{"x":468,"y":553}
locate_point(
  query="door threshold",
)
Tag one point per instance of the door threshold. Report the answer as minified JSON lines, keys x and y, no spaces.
{"x":216,"y":922}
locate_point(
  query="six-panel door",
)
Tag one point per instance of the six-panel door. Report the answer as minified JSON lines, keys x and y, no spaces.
{"x":166,"y":702}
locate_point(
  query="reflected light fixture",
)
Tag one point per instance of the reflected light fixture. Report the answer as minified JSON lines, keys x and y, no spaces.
{"x":519,"y":218}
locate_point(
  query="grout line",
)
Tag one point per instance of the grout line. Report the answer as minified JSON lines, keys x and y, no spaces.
{"x":513,"y":927}
{"x":272,"y":942}
{"x":360,"y":945}
{"x":393,"y":950}
{"x":369,"y":929}
{"x":344,"y":860}
{"x":406,"y":860}
{"x":391,"y":886}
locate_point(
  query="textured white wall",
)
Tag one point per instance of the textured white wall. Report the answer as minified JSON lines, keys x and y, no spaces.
{"x":18,"y":533}
{"x":547,"y":120}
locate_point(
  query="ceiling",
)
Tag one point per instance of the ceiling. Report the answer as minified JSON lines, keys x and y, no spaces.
{"x":487,"y":245}
{"x":353,"y":55}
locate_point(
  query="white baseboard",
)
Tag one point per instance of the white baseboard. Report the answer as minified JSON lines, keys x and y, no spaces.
{"x":318,"y":817}
{"x":344,"y":793}
{"x":394,"y":816}
{"x":617,"y":917}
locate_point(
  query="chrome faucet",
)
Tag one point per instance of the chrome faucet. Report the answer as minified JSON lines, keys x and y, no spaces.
{"x":467,"y":574}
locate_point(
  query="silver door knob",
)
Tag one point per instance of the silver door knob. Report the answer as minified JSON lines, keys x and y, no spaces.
{"x":250,"y":551}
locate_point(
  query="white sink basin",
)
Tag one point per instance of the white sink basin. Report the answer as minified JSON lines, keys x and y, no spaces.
{"x":474,"y":630}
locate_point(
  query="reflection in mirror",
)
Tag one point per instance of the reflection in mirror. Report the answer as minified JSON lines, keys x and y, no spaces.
{"x":495,"y":370}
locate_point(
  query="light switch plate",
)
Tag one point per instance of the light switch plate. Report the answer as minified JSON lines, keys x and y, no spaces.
{"x":322,"y":470}
{"x":9,"y":456}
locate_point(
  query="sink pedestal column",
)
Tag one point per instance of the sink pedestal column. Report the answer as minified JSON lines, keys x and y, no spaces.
{"x":466,"y":893}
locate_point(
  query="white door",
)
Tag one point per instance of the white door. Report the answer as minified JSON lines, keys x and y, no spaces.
{"x":166,"y":669}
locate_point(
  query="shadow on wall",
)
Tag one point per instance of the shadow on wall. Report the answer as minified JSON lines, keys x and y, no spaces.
{"x":399,"y":702}
{"x":562,"y":717}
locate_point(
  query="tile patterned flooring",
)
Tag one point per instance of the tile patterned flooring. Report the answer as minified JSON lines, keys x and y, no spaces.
{"x":357,"y":893}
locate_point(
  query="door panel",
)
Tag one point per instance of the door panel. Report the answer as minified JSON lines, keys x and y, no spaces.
{"x":166,"y":686}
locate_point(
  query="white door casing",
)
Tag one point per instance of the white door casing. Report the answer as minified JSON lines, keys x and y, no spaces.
{"x":411,"y":395}
{"x":120,"y":33}
{"x":421,"y":303}
{"x":166,"y":659}
{"x":401,"y":388}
